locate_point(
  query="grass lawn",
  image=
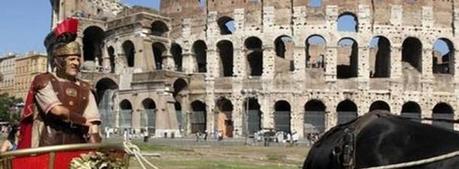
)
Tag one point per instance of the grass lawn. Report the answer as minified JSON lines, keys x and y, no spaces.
{"x":223,"y":156}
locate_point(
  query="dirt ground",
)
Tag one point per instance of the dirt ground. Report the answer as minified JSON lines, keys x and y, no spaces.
{"x":223,"y":156}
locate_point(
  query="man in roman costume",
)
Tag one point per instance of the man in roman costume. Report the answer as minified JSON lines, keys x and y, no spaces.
{"x":60,"y":108}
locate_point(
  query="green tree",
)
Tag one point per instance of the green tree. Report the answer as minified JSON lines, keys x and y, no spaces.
{"x":7,"y":104}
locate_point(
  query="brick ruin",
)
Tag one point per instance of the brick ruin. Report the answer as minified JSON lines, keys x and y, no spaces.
{"x":238,"y":66}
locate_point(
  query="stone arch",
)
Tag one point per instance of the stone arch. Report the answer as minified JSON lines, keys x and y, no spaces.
{"x":411,"y":110}
{"x":380,"y":57}
{"x":225,"y":50}
{"x":224,"y":119}
{"x":179,"y":86}
{"x":176,"y":51}
{"x":198,"y":117}
{"x":347,"y":22}
{"x":347,"y":111}
{"x":284,"y":47}
{"x":282,"y":116}
{"x":93,"y":38}
{"x":283,"y":44}
{"x":379,"y":105}
{"x":254,"y":47}
{"x":443,"y":111}
{"x":105,"y":96}
{"x":315,"y":51}
{"x":200,"y":52}
{"x":125,"y":115}
{"x":226,"y":25}
{"x":159,"y":50}
{"x":148,"y":116}
{"x":129,"y":52}
{"x":347,"y":60}
{"x":443,"y":56}
{"x":159,"y":28}
{"x":111,"y":57}
{"x":314,"y":117}
{"x":412,"y":53}
{"x":254,"y":115}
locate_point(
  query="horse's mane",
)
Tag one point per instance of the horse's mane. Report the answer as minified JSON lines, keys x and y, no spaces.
{"x":360,"y":122}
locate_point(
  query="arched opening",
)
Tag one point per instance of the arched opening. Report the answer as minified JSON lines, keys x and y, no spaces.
{"x":159,"y":28}
{"x":347,"y":22}
{"x":105,"y":97}
{"x":282,"y":116}
{"x":253,"y":112}
{"x":225,"y":117}
{"x":315,"y":52}
{"x":412,"y":54}
{"x":200,"y":52}
{"x":176,"y":51}
{"x":111,"y":55}
{"x":179,"y":86}
{"x":284,"y":48}
{"x":443,"y":57}
{"x":411,"y":110}
{"x":347,"y":61}
{"x":379,"y":105}
{"x":254,"y":48}
{"x":129,"y":52}
{"x":314,"y":3}
{"x":198,"y":117}
{"x":314,"y":117}
{"x":125,"y":120}
{"x":347,"y":111}
{"x":158,"y":52}
{"x":148,"y":118}
{"x":225,"y":50}
{"x":380,"y":55}
{"x":227,"y":25}
{"x":93,"y":38}
{"x":443,"y":111}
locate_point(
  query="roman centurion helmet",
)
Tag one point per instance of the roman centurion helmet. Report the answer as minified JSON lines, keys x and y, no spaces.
{"x":61,"y":42}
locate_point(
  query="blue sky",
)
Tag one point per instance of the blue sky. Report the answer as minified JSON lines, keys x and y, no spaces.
{"x":25,"y":23}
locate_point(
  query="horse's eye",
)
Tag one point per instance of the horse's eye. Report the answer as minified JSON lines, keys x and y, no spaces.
{"x":336,"y":151}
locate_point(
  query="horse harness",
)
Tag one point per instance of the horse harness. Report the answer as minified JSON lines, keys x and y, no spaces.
{"x":344,"y":152}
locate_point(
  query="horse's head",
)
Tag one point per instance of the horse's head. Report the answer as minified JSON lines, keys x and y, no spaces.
{"x":336,"y":148}
{"x":380,"y":138}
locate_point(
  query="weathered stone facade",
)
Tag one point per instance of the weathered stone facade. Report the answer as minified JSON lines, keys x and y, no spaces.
{"x":232,"y":56}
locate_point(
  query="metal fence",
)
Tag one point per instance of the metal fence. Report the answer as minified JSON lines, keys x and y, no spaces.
{"x":254,"y":121}
{"x":314,"y":122}
{"x":282,"y":121}
{"x":148,"y":120}
{"x":180,"y":118}
{"x":346,"y":116}
{"x":414,"y":116}
{"x":125,"y":118}
{"x":198,"y":121}
{"x":447,"y":125}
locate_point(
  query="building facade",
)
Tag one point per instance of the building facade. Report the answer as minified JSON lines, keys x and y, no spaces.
{"x":239,"y":66}
{"x":7,"y":74}
{"x":27,"y":67}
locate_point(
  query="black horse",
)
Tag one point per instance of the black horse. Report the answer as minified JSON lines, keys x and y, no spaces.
{"x":380,"y":138}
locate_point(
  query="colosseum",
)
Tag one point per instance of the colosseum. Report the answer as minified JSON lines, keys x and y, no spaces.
{"x":239,"y":66}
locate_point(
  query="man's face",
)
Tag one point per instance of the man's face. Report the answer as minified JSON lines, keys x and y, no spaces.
{"x":72,"y":65}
